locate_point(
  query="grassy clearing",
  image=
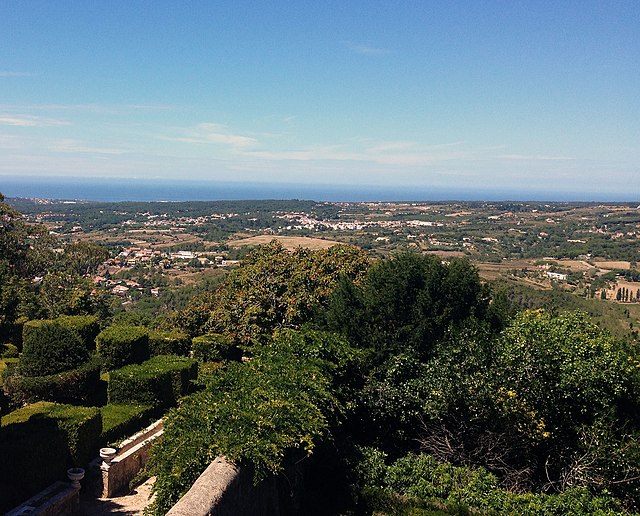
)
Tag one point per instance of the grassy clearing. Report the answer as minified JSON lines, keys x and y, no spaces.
{"x":288,"y":242}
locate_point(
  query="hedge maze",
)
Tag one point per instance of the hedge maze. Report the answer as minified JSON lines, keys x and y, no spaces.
{"x":72,"y":389}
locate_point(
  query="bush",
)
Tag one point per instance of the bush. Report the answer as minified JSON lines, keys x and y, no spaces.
{"x":119,"y":421}
{"x":80,"y":426}
{"x":40,"y":442}
{"x":159,"y":381}
{"x":29,"y":326}
{"x":214,"y":347}
{"x":76,"y":386}
{"x":86,"y":326}
{"x":50,"y":348}
{"x":8,"y":367}
{"x":168,"y":343}
{"x":9,"y":351}
{"x":422,"y":481}
{"x":12,"y":331}
{"x":121,"y":345}
{"x":33,"y":455}
{"x":280,"y":403}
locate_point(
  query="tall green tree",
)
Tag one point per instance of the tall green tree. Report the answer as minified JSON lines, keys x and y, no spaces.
{"x":406,"y":304}
{"x":275,"y":288}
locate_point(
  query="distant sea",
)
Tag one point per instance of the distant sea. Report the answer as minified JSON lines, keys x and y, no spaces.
{"x":110,"y":189}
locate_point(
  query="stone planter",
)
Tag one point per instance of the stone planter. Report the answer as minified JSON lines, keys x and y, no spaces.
{"x":107,"y":454}
{"x":75,"y":475}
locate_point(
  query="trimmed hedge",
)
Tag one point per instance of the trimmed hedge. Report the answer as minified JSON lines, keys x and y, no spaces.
{"x":86,"y":326}
{"x":39,"y":442}
{"x":80,"y":426}
{"x":9,"y":351}
{"x":29,"y":326}
{"x":215,"y":347}
{"x":120,"y":345}
{"x":12,"y":331}
{"x":168,"y":343}
{"x":160,"y":381}
{"x":50,"y":348}
{"x":7,"y":368}
{"x":120,"y":420}
{"x":77,"y":386}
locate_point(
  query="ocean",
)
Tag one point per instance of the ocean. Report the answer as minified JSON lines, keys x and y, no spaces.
{"x":111,"y":189}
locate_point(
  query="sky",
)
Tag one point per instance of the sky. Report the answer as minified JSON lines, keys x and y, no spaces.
{"x":444,"y":94}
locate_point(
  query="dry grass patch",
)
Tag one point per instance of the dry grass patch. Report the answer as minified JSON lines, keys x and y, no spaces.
{"x":613,"y":265}
{"x":289,"y":242}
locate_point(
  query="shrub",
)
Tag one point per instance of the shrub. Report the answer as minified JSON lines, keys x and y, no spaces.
{"x":80,"y":426}
{"x":214,"y":347}
{"x":29,"y":326}
{"x":87,"y":327}
{"x":121,"y":345}
{"x":8,"y":367}
{"x":253,"y":413}
{"x":421,"y":481}
{"x":40,"y":442}
{"x":78,"y":385}
{"x":50,"y":348}
{"x":159,"y":381}
{"x":33,"y":455}
{"x":12,"y":331}
{"x":9,"y":351}
{"x":120,"y":420}
{"x":168,"y":343}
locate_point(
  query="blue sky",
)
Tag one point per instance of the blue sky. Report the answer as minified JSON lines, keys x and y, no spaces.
{"x":414,"y":93}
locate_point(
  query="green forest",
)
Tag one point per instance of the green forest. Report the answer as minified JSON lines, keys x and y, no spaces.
{"x":397,"y":385}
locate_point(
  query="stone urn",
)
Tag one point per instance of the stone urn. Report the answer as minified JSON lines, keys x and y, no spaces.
{"x":75,"y":475}
{"x":107,"y":454}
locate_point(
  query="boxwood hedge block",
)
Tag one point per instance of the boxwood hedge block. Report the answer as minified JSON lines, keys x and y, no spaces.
{"x":121,"y":420}
{"x":7,"y":368}
{"x":12,"y":332}
{"x":50,"y":348}
{"x":77,"y":386}
{"x":120,"y":345}
{"x":214,"y":347}
{"x":34,"y":454}
{"x":168,"y":343}
{"x":39,"y":442}
{"x":87,"y":327}
{"x":29,"y":326}
{"x":9,"y":351}
{"x":159,"y":381}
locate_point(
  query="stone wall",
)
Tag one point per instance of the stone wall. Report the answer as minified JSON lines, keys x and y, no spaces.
{"x":224,"y":490}
{"x":59,"y":499}
{"x":131,"y":456}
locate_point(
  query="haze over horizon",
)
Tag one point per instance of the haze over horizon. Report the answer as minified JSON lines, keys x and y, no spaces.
{"x":520,"y":95}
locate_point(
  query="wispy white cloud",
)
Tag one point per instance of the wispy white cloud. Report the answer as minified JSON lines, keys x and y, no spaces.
{"x":30,"y":121}
{"x":368,"y":50}
{"x":75,"y":146}
{"x":392,"y":146}
{"x":10,"y":73}
{"x":210,"y":133}
{"x":392,"y":153}
{"x":533,"y":157}
{"x":9,"y":141}
{"x":95,"y":108}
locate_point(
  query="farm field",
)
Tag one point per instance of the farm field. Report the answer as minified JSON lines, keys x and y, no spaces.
{"x":289,"y":242}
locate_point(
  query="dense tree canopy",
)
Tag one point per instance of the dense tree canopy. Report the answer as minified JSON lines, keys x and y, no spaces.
{"x":275,"y":288}
{"x":38,"y":282}
{"x":406,"y":304}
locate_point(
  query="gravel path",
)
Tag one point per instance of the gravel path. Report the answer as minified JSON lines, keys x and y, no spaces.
{"x":132,"y":503}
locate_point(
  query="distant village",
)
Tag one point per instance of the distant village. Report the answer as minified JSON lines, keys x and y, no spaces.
{"x":571,"y":246}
